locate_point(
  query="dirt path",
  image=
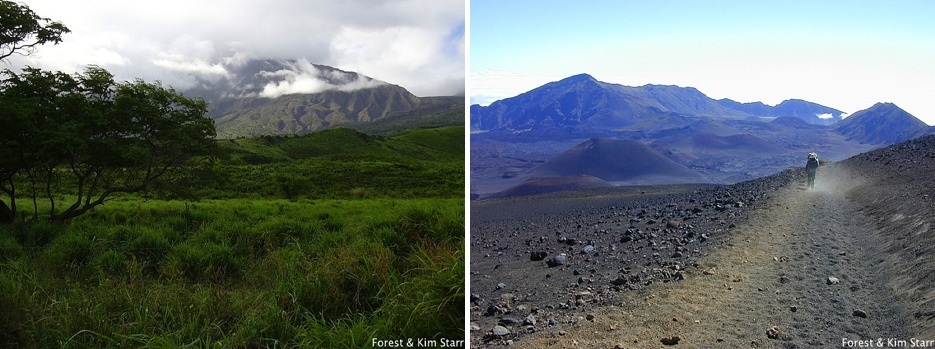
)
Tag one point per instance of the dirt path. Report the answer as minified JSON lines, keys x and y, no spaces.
{"x":774,"y":273}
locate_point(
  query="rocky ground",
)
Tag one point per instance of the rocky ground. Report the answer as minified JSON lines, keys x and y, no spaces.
{"x":763,"y":263}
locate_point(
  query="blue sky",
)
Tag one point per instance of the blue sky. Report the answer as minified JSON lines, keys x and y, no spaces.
{"x":843,"y":54}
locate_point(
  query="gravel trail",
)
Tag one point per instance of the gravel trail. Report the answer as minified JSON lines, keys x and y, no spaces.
{"x":801,"y":271}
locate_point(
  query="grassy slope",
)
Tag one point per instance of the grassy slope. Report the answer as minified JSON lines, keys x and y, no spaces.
{"x":329,"y":268}
{"x":342,"y":163}
{"x":434,"y":144}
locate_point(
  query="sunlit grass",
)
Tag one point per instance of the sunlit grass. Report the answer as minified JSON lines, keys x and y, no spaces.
{"x":235,"y":273}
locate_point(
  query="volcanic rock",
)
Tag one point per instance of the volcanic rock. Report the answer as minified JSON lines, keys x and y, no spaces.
{"x":500,"y":331}
{"x":557,"y":261}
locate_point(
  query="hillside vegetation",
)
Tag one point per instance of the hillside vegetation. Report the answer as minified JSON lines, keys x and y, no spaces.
{"x":339,"y":163}
{"x":330,"y":239}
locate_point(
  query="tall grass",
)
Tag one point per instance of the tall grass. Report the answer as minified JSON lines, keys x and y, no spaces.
{"x":235,"y":273}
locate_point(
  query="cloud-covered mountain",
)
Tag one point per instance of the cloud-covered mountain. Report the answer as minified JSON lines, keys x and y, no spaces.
{"x":275,"y":78}
{"x":260,"y":97}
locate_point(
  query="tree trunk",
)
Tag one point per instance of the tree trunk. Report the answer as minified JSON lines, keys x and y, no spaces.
{"x":6,"y":214}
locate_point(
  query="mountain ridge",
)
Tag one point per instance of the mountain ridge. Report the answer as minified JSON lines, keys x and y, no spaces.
{"x":723,"y":140}
{"x":583,"y":101}
{"x":281,"y":97}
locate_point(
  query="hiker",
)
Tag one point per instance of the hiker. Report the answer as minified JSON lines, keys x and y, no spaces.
{"x":811,"y":167}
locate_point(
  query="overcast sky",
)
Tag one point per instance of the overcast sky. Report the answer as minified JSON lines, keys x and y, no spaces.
{"x":417,"y":44}
{"x":842,"y":54}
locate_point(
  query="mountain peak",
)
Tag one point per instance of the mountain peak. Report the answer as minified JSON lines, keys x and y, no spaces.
{"x":882,"y":123}
{"x":889,"y":110}
{"x":884,"y":105}
{"x":583,"y":77}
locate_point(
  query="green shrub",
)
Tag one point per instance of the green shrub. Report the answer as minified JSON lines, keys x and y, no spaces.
{"x":292,"y":186}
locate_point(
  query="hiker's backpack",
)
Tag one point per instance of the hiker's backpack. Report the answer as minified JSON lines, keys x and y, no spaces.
{"x":812,"y":161}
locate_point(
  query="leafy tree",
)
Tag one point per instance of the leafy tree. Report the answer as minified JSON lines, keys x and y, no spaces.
{"x":91,"y":136}
{"x":21,"y":30}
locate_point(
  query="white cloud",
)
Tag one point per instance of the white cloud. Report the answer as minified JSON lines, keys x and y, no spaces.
{"x":825,"y":116}
{"x":303,"y":77}
{"x":196,"y":67}
{"x":417,"y":44}
{"x":388,"y":54}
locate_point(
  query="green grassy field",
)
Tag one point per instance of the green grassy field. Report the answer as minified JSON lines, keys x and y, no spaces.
{"x":327,"y":240}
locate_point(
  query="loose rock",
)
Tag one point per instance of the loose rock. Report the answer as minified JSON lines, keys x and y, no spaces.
{"x":500,"y":331}
{"x":833,"y":280}
{"x":493,"y":310}
{"x":670,"y":340}
{"x":773,"y":332}
{"x":557,"y":260}
{"x":587,"y":249}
